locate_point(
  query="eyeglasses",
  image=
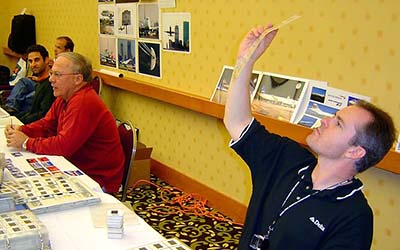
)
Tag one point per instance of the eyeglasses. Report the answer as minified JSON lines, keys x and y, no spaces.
{"x":58,"y":75}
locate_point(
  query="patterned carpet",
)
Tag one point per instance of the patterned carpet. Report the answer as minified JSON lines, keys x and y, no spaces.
{"x":184,"y":217}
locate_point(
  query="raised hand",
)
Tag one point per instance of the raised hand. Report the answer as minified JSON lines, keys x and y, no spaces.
{"x":251,"y":39}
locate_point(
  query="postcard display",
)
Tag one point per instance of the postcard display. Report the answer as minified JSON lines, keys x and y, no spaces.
{"x":131,"y":37}
{"x":34,"y":186}
{"x":288,"y":98}
{"x":322,"y":101}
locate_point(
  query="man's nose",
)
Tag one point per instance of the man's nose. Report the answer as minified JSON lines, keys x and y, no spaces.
{"x":51,"y":78}
{"x":325,"y":121}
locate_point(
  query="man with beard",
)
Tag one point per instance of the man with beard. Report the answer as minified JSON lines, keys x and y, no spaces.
{"x":32,"y":97}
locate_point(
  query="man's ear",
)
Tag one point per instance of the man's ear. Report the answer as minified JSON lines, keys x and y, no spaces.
{"x":355,"y":152}
{"x":78,"y":79}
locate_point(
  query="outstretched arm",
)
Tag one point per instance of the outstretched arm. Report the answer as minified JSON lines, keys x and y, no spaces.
{"x":238,"y":107}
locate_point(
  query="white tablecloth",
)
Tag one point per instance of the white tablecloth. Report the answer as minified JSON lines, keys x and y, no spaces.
{"x":75,"y":228}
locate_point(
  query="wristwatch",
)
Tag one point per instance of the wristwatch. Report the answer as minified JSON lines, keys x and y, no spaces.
{"x":24,"y":143}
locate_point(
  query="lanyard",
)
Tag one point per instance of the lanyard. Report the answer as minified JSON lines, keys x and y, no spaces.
{"x":258,"y":241}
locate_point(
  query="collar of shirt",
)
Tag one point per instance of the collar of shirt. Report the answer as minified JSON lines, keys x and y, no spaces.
{"x":335,"y":194}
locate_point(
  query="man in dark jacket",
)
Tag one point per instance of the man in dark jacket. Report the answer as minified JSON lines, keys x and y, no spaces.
{"x":38,"y":58}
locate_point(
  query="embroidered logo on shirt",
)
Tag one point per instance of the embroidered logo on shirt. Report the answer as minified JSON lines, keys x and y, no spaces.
{"x":317,"y":223}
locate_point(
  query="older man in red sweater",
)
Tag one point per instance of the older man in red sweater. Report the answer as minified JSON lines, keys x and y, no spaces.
{"x":78,"y":125}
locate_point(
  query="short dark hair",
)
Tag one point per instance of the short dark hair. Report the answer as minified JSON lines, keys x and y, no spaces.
{"x":376,"y":137}
{"x":38,"y":48}
{"x":69,"y":44}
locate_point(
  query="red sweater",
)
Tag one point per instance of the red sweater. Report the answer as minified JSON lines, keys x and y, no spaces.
{"x":84,"y":131}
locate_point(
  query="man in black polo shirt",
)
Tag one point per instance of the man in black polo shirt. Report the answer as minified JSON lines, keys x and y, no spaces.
{"x":300,"y":201}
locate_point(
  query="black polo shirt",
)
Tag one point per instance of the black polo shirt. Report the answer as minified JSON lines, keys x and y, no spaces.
{"x":338,"y":218}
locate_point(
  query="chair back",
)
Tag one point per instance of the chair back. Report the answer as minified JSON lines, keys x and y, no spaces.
{"x":97,"y":83}
{"x":4,"y":75}
{"x":128,"y":137}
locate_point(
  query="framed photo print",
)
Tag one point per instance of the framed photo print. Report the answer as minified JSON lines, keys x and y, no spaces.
{"x":126,"y":20}
{"x":107,"y":47}
{"x":106,"y":19}
{"x":127,"y":54}
{"x":149,"y":21}
{"x":149,"y":58}
{"x":176,"y":32}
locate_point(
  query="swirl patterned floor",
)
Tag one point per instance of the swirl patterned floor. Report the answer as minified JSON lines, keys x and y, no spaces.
{"x":200,"y":232}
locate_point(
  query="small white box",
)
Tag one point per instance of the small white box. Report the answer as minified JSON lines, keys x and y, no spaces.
{"x":115,"y":236}
{"x":115,"y":213}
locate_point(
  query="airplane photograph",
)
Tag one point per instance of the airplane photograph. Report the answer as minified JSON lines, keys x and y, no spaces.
{"x":307,"y":121}
{"x":282,"y":86}
{"x":277,"y":101}
{"x":176,"y":32}
{"x":319,"y":110}
{"x":149,"y":15}
{"x":272,"y":106}
{"x":126,"y":62}
{"x":126,"y":54}
{"x":352,"y":100}
{"x":318,"y":94}
{"x":170,"y":32}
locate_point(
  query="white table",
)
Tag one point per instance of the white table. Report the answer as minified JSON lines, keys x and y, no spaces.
{"x":74,"y":228}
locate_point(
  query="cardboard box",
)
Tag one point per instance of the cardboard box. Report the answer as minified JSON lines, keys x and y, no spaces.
{"x":141,"y":165}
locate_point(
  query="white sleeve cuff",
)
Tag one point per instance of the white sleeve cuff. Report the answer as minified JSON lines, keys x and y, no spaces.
{"x":24,"y":143}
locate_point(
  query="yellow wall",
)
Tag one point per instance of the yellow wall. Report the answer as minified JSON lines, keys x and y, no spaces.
{"x":352,"y":44}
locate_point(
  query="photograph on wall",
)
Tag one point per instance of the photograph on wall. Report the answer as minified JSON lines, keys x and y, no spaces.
{"x":126,"y":54}
{"x":149,"y":21}
{"x":176,"y":32}
{"x":320,"y":110}
{"x":221,"y":89}
{"x":149,"y":59}
{"x":321,"y":102}
{"x":307,"y":121}
{"x":126,"y":20}
{"x":278,"y":96}
{"x":316,"y":109}
{"x":318,"y":94}
{"x":106,"y":19}
{"x":107,"y":47}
